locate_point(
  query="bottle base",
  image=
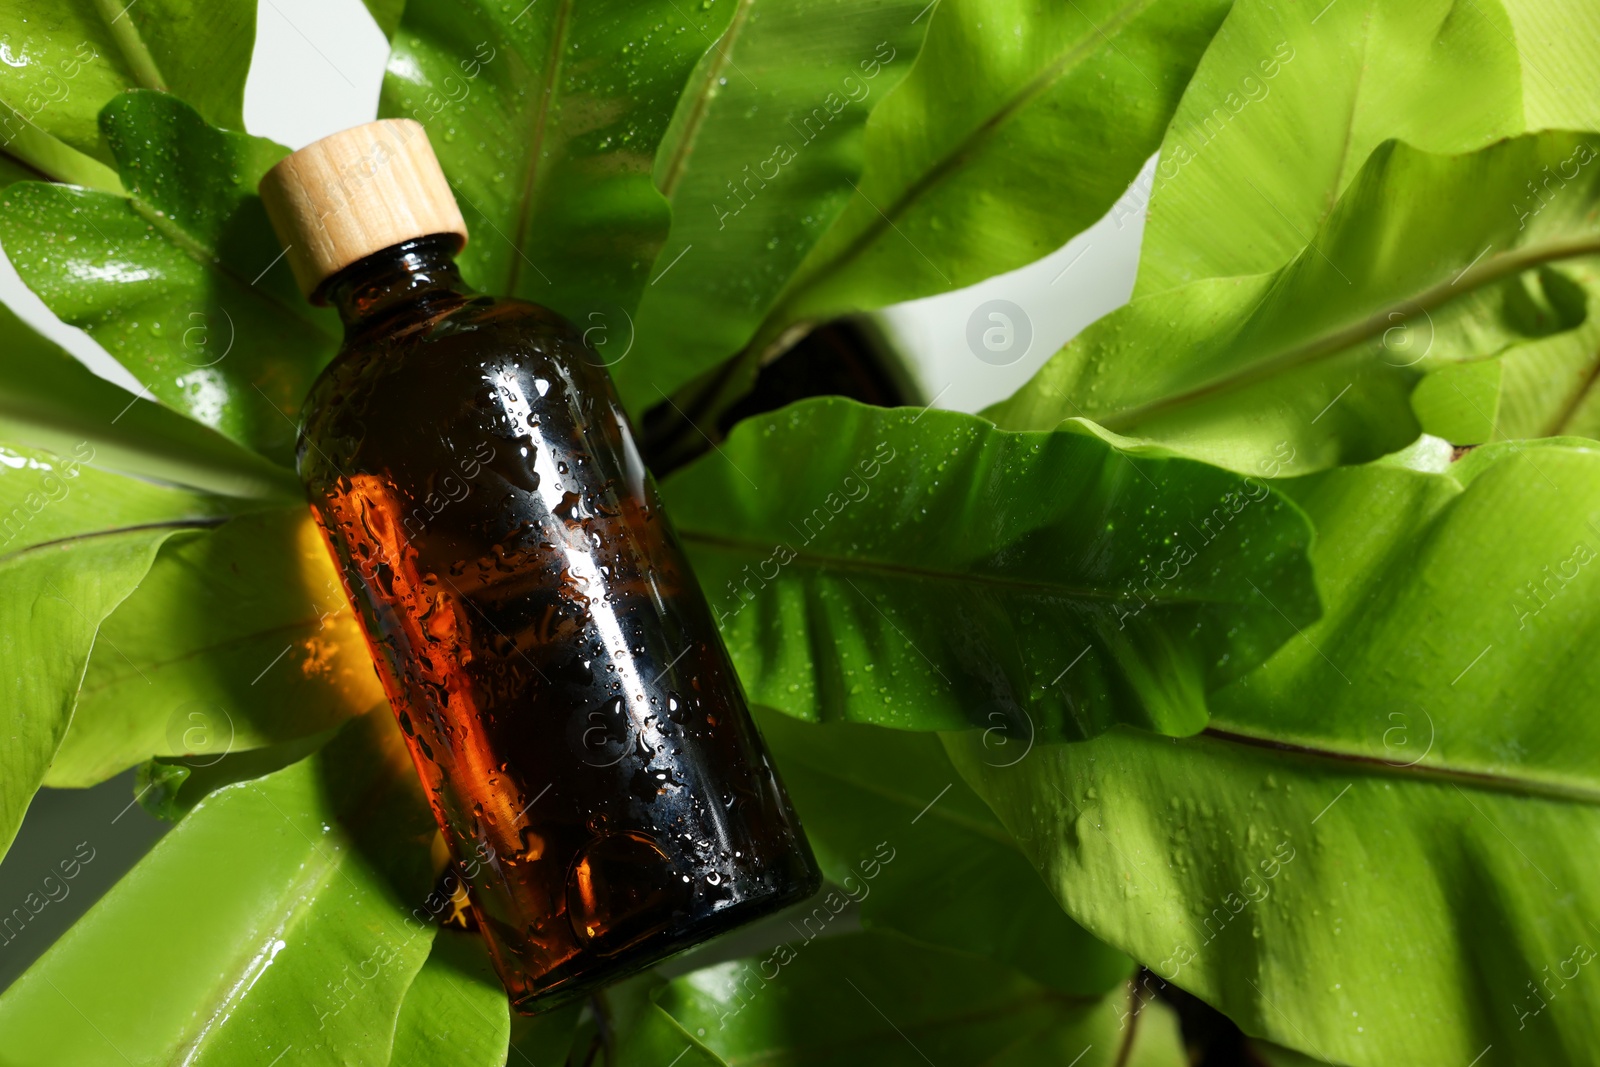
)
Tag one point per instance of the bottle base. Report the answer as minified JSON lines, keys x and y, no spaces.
{"x":660,"y":948}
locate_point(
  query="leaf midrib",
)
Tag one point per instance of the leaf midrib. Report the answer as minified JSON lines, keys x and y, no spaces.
{"x":723,"y":47}
{"x":1130,"y":993}
{"x":351,"y":816}
{"x":136,"y":57}
{"x":1503,"y":783}
{"x":111,"y":680}
{"x":135,"y":53}
{"x":541,"y":118}
{"x":884,"y":218}
{"x":207,"y":257}
{"x":820,"y":561}
{"x":301,"y":895}
{"x":1346,"y":162}
{"x":1569,"y":411}
{"x":90,"y":535}
{"x":1341,"y":339}
{"x":994,"y":832}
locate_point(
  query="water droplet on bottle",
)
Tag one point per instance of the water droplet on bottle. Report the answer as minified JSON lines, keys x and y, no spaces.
{"x":621,"y":889}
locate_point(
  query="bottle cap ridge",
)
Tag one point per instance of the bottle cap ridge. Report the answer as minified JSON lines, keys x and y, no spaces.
{"x":356,"y":192}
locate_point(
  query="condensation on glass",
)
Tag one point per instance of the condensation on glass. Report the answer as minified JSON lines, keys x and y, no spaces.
{"x":571,"y":710}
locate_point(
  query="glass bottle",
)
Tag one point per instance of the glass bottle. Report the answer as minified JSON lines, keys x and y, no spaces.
{"x":574,"y":718}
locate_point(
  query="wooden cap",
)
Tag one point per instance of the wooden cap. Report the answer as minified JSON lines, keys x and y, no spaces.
{"x":340,"y":199}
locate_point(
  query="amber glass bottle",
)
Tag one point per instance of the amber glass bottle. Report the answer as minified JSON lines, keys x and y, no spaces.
{"x":572,"y":713}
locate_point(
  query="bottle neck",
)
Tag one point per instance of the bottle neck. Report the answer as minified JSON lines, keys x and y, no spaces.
{"x":412,"y":276}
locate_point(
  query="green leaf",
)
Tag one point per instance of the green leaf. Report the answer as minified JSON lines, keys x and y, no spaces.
{"x":1460,"y":403}
{"x":53,"y":604}
{"x":456,"y":1013}
{"x":170,"y":787}
{"x":239,"y":637}
{"x":1287,"y":105}
{"x":1396,"y":797}
{"x":177,"y":279}
{"x":995,"y":149}
{"x":1020,"y":126}
{"x":66,"y":59}
{"x":277,"y":916}
{"x":1546,"y":387}
{"x":885,"y":1001}
{"x":897,"y":830}
{"x":50,"y":500}
{"x":34,"y":155}
{"x":924,"y":570}
{"x":1314,"y":365}
{"x":1562,"y":89}
{"x":767,"y":140}
{"x":13,"y":171}
{"x":545,"y":1038}
{"x":546,"y":119}
{"x":74,"y":542}
{"x":49,"y":400}
{"x":636,"y":1031}
{"x":386,"y":13}
{"x":1272,"y":1055}
{"x":1524,"y":518}
{"x":1539,"y":388}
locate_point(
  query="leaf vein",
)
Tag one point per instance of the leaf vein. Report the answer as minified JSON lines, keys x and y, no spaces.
{"x":1438,"y":772}
{"x":1487,"y":271}
{"x":541,"y":119}
{"x":883,"y":218}
{"x":821,"y":561}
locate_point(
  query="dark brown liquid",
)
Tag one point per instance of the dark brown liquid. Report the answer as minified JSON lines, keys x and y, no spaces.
{"x":571,"y":710}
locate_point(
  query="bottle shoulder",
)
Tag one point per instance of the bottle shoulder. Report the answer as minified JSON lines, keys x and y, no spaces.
{"x":487,"y":320}
{"x":450,"y":371}
{"x":441,"y":340}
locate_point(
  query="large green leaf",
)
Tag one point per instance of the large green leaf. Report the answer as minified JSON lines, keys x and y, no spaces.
{"x":52,"y":603}
{"x":74,"y":541}
{"x":1428,"y":261}
{"x":64,"y":60}
{"x":275,"y":921}
{"x":765,"y":145}
{"x":1288,"y":103}
{"x":898,"y":832}
{"x":1525,"y":516}
{"x":1021,"y":125}
{"x":546,"y":118}
{"x":884,"y":1001}
{"x":178,"y":279}
{"x":49,"y":400}
{"x":455,"y":1013}
{"x":1017,"y":127}
{"x":924,"y":570}
{"x":238,"y":637}
{"x":1377,"y":853}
